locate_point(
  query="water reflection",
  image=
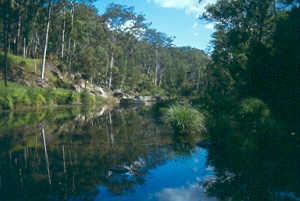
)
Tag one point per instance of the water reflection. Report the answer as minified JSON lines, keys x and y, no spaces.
{"x":80,"y":153}
{"x":102,"y":154}
{"x":254,"y":161}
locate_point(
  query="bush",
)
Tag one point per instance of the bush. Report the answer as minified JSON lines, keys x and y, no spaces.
{"x":185,"y":120}
{"x":7,"y":102}
{"x":251,"y":109}
{"x":37,"y":96}
{"x":74,"y":97}
{"x":87,"y":98}
{"x":16,"y":95}
{"x":62,"y":96}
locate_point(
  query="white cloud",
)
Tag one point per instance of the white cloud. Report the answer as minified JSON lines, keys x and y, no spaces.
{"x":191,"y":193}
{"x":210,"y":26}
{"x":190,"y":6}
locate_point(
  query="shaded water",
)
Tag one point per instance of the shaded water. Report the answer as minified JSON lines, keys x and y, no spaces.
{"x":97,"y":154}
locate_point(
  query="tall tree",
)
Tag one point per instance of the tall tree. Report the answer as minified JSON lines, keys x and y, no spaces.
{"x":46,"y":39}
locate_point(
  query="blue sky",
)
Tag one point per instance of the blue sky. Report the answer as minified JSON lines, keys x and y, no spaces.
{"x":174,"y":17}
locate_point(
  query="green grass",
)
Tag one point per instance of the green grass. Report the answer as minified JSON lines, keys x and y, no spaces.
{"x":17,"y":96}
{"x":185,"y":120}
{"x":28,"y":64}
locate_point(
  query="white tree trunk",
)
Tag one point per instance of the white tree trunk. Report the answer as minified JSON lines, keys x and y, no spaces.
{"x":112,"y":138}
{"x":156,"y":67}
{"x":46,"y":41}
{"x":18,"y":34}
{"x":70,"y":37}
{"x":63,"y":34}
{"x":46,"y":155}
{"x":24,"y":49}
{"x":64,"y":158}
{"x":110,"y":70}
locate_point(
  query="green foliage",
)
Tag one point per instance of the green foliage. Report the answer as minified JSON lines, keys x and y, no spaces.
{"x":256,"y":53}
{"x":60,"y":96}
{"x":252,"y":109}
{"x":16,"y":96}
{"x":87,"y":98}
{"x":184,"y":119}
{"x":7,"y":102}
{"x":74,"y":97}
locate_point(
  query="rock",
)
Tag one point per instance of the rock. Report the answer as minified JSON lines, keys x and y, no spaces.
{"x":99,"y":90}
{"x":138,"y":100}
{"x":118,"y":93}
{"x":146,"y":98}
{"x":42,"y":83}
{"x":131,"y":101}
{"x":77,"y":88}
{"x":51,"y":67}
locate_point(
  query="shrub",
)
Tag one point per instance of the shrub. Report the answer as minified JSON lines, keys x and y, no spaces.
{"x":16,"y":95}
{"x":60,"y":96}
{"x":7,"y":102}
{"x":74,"y":97}
{"x":184,"y":119}
{"x":20,"y":96}
{"x":252,"y":109}
{"x":87,"y":98}
{"x":37,"y":96}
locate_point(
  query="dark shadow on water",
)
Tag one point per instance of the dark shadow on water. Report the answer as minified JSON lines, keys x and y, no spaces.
{"x":254,"y":160}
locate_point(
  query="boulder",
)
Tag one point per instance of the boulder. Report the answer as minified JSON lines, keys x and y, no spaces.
{"x":118,"y":93}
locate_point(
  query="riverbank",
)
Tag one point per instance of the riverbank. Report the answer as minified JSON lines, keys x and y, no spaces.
{"x":17,"y":97}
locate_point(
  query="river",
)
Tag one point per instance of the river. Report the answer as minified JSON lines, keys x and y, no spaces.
{"x":100,"y":154}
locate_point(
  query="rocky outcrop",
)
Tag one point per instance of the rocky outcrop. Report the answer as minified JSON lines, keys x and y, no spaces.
{"x":139,"y":100}
{"x":94,"y":89}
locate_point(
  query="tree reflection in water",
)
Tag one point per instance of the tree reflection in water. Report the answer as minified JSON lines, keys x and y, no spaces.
{"x":254,"y":161}
{"x":81,"y":154}
{"x":72,"y":153}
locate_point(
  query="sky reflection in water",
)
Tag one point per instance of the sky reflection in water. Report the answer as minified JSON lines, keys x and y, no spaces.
{"x":179,"y":179}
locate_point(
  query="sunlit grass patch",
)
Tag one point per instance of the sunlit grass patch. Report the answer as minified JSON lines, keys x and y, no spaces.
{"x":184,"y":119}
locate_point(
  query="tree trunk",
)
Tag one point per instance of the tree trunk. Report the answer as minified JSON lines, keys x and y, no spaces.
{"x":46,"y":155}
{"x":64,"y":158}
{"x":6,"y":27}
{"x":110,"y":71}
{"x":63,"y":34}
{"x":24,"y":49}
{"x":46,"y":41}
{"x":18,"y":36}
{"x":156,"y":67}
{"x":70,"y":38}
{"x":275,"y":8}
{"x":111,"y":132}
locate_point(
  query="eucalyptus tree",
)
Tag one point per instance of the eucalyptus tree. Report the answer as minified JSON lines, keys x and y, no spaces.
{"x":158,"y":40}
{"x":246,"y":59}
{"x":46,"y":39}
{"x":89,"y":36}
{"x":125,"y":26}
{"x":8,"y":15}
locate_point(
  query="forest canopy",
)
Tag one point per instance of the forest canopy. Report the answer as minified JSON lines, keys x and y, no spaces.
{"x":116,"y":50}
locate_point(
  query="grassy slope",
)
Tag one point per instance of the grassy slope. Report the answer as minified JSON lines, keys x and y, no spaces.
{"x":18,"y":96}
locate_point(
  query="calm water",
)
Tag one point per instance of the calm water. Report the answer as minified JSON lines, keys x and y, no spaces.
{"x":126,"y":154}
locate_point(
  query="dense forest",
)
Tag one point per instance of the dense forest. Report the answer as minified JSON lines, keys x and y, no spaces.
{"x":256,"y":53}
{"x":116,"y":50}
{"x":226,"y":119}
